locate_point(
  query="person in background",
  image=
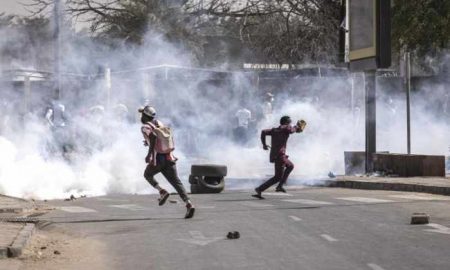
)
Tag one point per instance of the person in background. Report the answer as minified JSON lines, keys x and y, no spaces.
{"x":160,"y":158}
{"x":243,"y":116}
{"x":96,"y":114}
{"x":267,"y":107}
{"x":56,"y":115}
{"x":283,"y":166}
{"x":121,"y":113}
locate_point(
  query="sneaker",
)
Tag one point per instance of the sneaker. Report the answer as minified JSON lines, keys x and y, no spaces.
{"x":258,"y":194}
{"x":280,"y":189}
{"x":164,"y":195}
{"x":190,"y":210}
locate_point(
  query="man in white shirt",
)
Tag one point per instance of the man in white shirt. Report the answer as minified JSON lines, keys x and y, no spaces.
{"x":267,"y":106}
{"x":243,"y":116}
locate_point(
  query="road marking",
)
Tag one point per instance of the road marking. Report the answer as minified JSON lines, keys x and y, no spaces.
{"x":420,"y":197}
{"x":255,"y":204}
{"x":197,"y":238}
{"x":304,"y":201}
{"x":131,"y":207}
{"x":328,"y":238}
{"x":76,"y":209}
{"x":277,"y":194}
{"x":295,"y":218}
{"x":437,"y":228}
{"x":364,"y":199}
{"x":375,"y":266}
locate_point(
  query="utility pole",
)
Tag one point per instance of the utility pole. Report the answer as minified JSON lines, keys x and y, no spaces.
{"x":371,"y":116}
{"x":57,"y":48}
{"x":408,"y":101}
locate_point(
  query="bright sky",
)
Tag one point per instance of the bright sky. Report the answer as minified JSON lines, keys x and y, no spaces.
{"x":13,"y":6}
{"x":17,"y":7}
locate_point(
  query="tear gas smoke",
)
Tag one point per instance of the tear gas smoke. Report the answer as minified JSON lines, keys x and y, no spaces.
{"x":105,"y":154}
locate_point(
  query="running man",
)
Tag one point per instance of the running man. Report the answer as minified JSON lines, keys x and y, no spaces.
{"x":160,"y":158}
{"x":283,"y":166}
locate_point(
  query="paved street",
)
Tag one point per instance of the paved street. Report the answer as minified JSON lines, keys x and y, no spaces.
{"x":311,"y":228}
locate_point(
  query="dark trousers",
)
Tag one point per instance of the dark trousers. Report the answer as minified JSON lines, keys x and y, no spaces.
{"x":240,"y":135}
{"x":169,"y":170}
{"x":283,"y":167}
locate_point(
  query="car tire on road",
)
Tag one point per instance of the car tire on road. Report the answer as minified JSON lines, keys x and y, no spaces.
{"x":209,"y":170}
{"x":206,"y":184}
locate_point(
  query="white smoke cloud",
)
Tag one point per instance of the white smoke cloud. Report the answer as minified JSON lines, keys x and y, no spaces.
{"x":107,"y":155}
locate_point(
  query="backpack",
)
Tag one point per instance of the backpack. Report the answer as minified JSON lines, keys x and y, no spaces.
{"x":164,"y":137}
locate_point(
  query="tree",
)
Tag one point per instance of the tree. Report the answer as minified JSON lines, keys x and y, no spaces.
{"x":281,"y":31}
{"x":422,"y":26}
{"x":296,"y":31}
{"x":26,"y":41}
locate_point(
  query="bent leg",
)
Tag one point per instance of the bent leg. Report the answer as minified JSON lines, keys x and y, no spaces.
{"x":170,"y":173}
{"x":279,"y":169}
{"x":149,"y":174}
{"x":289,"y":167}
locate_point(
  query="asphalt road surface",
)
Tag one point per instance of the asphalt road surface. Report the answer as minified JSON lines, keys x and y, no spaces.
{"x":310,"y":228}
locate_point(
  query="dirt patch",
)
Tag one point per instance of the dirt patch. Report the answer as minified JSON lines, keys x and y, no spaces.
{"x":52,"y":250}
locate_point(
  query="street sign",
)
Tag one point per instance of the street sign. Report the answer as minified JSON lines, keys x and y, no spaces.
{"x":362,"y":29}
{"x":369,"y":45}
{"x":369,"y":34}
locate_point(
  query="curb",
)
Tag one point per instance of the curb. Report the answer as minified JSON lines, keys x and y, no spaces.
{"x":21,"y":206}
{"x":16,"y":248}
{"x":15,"y":210}
{"x":439,"y":190}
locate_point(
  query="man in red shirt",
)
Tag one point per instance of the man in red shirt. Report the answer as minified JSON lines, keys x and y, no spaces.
{"x":283,"y":166}
{"x":161,"y":161}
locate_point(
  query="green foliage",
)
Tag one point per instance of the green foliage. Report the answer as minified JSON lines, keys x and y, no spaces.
{"x":280,"y":31}
{"x":298,"y":32}
{"x":421,"y":25}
